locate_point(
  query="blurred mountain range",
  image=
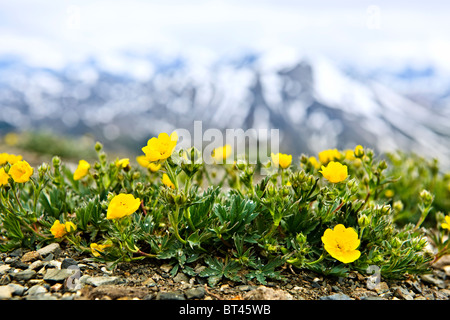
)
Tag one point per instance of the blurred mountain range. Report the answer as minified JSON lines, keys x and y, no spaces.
{"x":315,"y":104}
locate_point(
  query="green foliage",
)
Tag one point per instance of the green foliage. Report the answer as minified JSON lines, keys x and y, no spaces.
{"x":232,"y":222}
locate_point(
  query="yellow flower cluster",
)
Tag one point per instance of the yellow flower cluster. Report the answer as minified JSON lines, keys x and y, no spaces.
{"x":59,"y":229}
{"x":9,"y":158}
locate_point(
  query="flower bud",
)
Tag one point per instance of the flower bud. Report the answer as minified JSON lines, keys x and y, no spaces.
{"x":382,"y":165}
{"x":56,"y":161}
{"x":363,"y":221}
{"x":300,"y":238}
{"x":426,"y":197}
{"x":398,"y":206}
{"x":359,"y":151}
{"x":98,"y":146}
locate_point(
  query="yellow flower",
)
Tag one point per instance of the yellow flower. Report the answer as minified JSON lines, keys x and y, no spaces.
{"x":154,"y":167}
{"x":341,"y":243}
{"x":122,"y":163}
{"x":326,"y":156}
{"x":21,"y":171}
{"x":446,"y":224}
{"x":122,"y":205}
{"x":11,"y":158}
{"x":142,"y":160}
{"x":220,"y":154}
{"x":11,"y":138}
{"x":349,"y":154}
{"x":359,"y":151}
{"x":334,"y":172}
{"x":389,"y":193}
{"x":3,"y":158}
{"x":160,"y":148}
{"x":3,"y":177}
{"x":97,"y":248}
{"x":59,"y":229}
{"x":70,"y":226}
{"x":314,"y":162}
{"x":166,"y":180}
{"x":82,"y":170}
{"x":282,"y":160}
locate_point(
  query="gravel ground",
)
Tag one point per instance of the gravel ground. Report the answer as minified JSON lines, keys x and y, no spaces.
{"x":53,"y":273}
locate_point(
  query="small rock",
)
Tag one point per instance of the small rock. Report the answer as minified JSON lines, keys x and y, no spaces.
{"x":102,"y":281}
{"x":446,"y":292}
{"x":4,"y":268}
{"x":36,"y":265}
{"x":42,"y":296}
{"x":265,"y":293}
{"x":23,"y":275}
{"x":363,"y":293}
{"x":432,"y":280}
{"x":56,"y":275}
{"x":170,"y":296}
{"x":16,"y":253}
{"x":5,"y":279}
{"x":53,"y":248}
{"x":5,"y":292}
{"x":30,"y":256}
{"x":402,"y":293}
{"x":17,"y":289}
{"x":56,"y":287}
{"x":180,"y":278}
{"x":149,"y":282}
{"x":18,"y":264}
{"x":195,"y":293}
{"x":66,"y":263}
{"x":246,"y":288}
{"x":166,"y":267}
{"x":381,"y":287}
{"x":447,"y":270}
{"x":36,"y":289}
{"x":117,"y":292}
{"x":337,"y":296}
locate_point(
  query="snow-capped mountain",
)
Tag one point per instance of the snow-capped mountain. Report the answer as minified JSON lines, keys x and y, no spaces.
{"x":313,"y":103}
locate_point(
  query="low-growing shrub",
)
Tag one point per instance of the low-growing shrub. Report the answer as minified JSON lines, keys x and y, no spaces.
{"x":342,"y":211}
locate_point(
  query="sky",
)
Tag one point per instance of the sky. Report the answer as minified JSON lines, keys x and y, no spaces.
{"x":365,"y":33}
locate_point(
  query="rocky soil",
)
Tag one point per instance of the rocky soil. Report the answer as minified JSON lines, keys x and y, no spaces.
{"x":54,"y":273}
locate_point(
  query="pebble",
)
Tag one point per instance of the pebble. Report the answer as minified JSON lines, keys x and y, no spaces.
{"x":170,"y":296}
{"x":195,"y":293}
{"x":66,"y":263}
{"x":30,"y":256}
{"x":403,"y":293}
{"x":4,"y":268}
{"x":36,"y":289}
{"x":23,"y":275}
{"x":58,"y":275}
{"x":431,"y":279}
{"x":336,"y":296}
{"x":180,"y":278}
{"x":101,"y":281}
{"x":53,"y":248}
{"x":166,"y":267}
{"x":5,"y":292}
{"x":17,"y":289}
